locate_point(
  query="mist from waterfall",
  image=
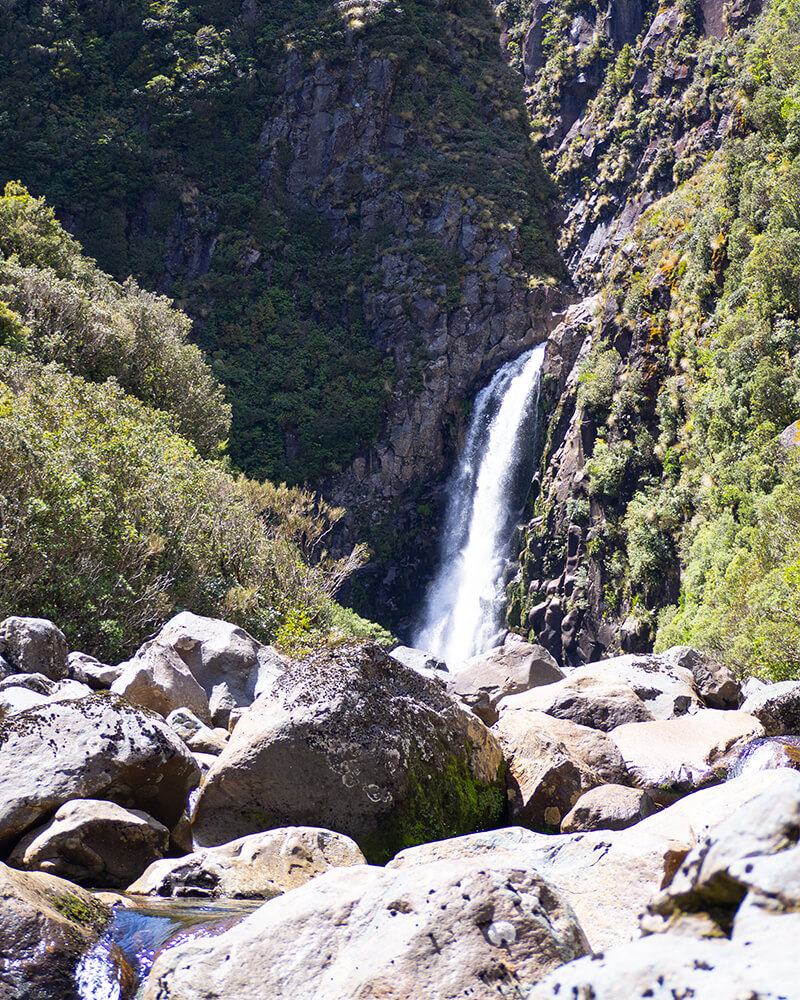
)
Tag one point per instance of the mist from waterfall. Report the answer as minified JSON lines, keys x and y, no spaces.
{"x":485,"y":496}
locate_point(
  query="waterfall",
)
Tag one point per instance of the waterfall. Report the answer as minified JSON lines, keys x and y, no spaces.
{"x":464,"y":604}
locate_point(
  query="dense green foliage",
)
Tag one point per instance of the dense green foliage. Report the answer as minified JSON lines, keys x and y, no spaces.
{"x":716,"y":296}
{"x":142,"y":123}
{"x":110,"y":520}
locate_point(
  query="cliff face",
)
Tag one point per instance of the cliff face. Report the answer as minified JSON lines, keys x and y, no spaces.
{"x":602,"y":553}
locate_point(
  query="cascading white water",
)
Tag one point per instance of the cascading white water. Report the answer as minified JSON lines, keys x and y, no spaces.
{"x":464,"y":604}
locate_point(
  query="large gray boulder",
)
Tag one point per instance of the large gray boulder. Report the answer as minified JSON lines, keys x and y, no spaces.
{"x":777,"y":708}
{"x":260,"y":866}
{"x":34,"y":646}
{"x":47,"y":926}
{"x":683,"y":753}
{"x":95,"y":747}
{"x":666,"y":687}
{"x":351,"y":740}
{"x":94,"y":843}
{"x":465,"y":930}
{"x":485,"y":680}
{"x":586,"y":698}
{"x":228,"y":664}
{"x":609,"y":877}
{"x":158,"y":679}
{"x":664,"y":967}
{"x":551,"y":763}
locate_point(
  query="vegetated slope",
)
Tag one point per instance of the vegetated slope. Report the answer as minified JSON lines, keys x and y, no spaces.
{"x":314,"y":182}
{"x":110,"y":516}
{"x":343,"y":196}
{"x":669,"y":508}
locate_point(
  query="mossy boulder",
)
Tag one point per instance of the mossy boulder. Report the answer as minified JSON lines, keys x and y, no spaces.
{"x":47,"y":927}
{"x":353,"y":741}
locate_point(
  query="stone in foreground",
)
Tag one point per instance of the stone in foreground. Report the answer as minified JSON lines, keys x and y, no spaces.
{"x":260,"y":866}
{"x":351,"y":740}
{"x":464,"y":930}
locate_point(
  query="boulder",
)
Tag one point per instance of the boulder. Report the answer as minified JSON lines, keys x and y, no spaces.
{"x":417,"y":659}
{"x":724,"y":865}
{"x":91,"y":671}
{"x":100,"y":746}
{"x":47,"y":926}
{"x":93,"y":843}
{"x":608,"y":877}
{"x":230,"y":666}
{"x":158,"y":679}
{"x":666,"y":688}
{"x":456,"y":930}
{"x":549,"y":765}
{"x":608,"y":807}
{"x":715,"y":683}
{"x":351,"y":740}
{"x":777,"y":708}
{"x":682,"y":753}
{"x":34,"y":646}
{"x":484,"y":680}
{"x":20,"y":692}
{"x":195,"y":734}
{"x":587,"y":699}
{"x":741,"y":881}
{"x":260,"y":866}
{"x":663,"y":967}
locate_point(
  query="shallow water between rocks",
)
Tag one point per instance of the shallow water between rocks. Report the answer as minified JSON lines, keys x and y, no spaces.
{"x":137,"y":932}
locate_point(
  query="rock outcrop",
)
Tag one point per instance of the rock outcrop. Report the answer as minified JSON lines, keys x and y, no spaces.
{"x":351,"y":740}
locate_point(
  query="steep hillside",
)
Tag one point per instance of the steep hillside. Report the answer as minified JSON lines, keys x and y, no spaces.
{"x":110,"y":516}
{"x":669,"y":483}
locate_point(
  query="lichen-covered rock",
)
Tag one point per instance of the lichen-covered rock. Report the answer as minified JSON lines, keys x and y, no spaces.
{"x":94,"y":843}
{"x":351,"y":740}
{"x":666,"y":688}
{"x":588,"y":699}
{"x":260,"y":866}
{"x":95,"y":747}
{"x":450,"y":930}
{"x":34,"y":645}
{"x":47,"y":925}
{"x":19,"y":692}
{"x":505,"y":670}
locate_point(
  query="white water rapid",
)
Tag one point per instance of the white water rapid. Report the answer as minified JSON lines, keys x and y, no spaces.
{"x":464,"y":604}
